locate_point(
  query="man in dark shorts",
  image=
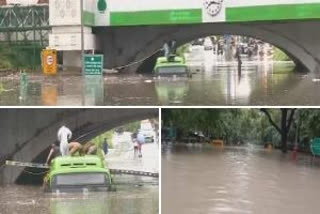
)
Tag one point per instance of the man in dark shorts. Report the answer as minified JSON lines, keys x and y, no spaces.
{"x":54,"y":152}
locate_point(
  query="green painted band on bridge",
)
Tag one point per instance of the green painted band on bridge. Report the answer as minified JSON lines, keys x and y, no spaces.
{"x":186,"y":16}
{"x":232,"y":14}
{"x":273,"y":12}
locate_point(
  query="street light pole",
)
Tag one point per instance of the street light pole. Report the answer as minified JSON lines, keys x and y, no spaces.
{"x":82,"y":38}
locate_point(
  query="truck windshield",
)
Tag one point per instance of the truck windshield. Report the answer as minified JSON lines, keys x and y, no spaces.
{"x":172,"y":70}
{"x":81,"y":179}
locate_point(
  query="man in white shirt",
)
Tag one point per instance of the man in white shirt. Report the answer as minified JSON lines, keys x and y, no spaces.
{"x":64,"y":134}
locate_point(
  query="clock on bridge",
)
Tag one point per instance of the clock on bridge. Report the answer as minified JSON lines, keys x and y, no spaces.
{"x":213,"y":7}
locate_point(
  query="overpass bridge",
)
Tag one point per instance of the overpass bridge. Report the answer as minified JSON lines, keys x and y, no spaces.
{"x":26,"y":134}
{"x":129,"y":30}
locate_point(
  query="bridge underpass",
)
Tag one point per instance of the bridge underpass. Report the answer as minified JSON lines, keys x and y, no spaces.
{"x":108,"y":31}
{"x":296,"y":38}
{"x":28,"y":133}
{"x":132,"y":30}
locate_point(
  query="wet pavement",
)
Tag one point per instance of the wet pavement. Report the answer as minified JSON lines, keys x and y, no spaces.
{"x":124,"y":158}
{"x":134,"y":194}
{"x":214,"y":82}
{"x":197,"y":179}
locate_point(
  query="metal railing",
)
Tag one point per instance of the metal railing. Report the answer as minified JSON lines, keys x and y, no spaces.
{"x":25,"y":25}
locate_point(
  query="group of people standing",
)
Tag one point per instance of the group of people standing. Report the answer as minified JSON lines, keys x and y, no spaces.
{"x":65,"y":148}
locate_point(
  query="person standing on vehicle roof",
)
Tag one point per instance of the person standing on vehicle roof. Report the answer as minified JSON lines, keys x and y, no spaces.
{"x":64,"y":135}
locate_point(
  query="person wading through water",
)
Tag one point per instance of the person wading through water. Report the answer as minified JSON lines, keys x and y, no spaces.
{"x":140,"y":140}
{"x":238,"y":57}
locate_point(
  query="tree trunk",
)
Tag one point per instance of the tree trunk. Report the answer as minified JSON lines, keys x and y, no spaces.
{"x":284,"y":126}
{"x":284,"y":131}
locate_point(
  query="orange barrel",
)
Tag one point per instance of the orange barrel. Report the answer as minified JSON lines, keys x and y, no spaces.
{"x":49,"y":61}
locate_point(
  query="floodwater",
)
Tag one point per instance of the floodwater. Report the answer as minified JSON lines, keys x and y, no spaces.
{"x":238,"y":180}
{"x":133,"y":195}
{"x":214,"y":82}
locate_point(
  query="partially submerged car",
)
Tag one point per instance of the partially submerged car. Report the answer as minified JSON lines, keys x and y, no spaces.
{"x":80,"y":173}
{"x":172,"y":65}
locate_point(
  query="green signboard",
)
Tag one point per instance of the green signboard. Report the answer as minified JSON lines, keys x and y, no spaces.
{"x":93,"y":64}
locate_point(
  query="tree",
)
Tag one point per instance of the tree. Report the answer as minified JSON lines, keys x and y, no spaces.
{"x":284,"y":125}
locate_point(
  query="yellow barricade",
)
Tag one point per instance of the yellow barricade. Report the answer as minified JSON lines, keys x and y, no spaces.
{"x":49,"y":61}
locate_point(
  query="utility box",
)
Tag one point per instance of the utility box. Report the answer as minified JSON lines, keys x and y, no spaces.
{"x":49,"y":61}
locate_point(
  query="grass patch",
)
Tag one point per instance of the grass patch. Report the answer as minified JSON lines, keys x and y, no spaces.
{"x":20,"y":57}
{"x":279,"y":55}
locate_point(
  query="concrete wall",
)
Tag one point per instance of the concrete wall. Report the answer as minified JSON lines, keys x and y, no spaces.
{"x":122,"y":45}
{"x":26,"y":133}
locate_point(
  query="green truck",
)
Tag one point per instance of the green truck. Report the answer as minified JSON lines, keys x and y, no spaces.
{"x":81,"y":173}
{"x":172,"y":65}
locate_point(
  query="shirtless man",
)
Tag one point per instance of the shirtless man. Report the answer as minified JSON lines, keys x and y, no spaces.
{"x":73,"y":147}
{"x":54,"y":152}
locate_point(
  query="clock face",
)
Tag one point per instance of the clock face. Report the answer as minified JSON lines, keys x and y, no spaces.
{"x":213,"y":7}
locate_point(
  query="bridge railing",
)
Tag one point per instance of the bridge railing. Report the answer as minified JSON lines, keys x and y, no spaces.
{"x":25,"y":24}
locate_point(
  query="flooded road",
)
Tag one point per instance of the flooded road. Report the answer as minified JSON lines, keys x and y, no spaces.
{"x":238,"y":180}
{"x":132,"y":196}
{"x":214,"y":82}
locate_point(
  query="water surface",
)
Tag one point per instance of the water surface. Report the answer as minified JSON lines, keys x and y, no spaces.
{"x":238,"y":180}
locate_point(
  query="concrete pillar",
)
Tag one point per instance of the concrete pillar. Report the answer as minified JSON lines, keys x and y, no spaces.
{"x":71,"y":60}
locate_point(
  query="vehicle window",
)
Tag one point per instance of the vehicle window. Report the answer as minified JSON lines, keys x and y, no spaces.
{"x":81,"y":179}
{"x":172,"y":70}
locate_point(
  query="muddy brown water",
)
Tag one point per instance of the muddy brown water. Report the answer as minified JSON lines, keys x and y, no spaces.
{"x":134,"y":195}
{"x":260,"y":83}
{"x":201,"y":180}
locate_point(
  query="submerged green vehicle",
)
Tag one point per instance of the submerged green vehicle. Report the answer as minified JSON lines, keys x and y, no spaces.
{"x":172,"y":65}
{"x":78,"y":173}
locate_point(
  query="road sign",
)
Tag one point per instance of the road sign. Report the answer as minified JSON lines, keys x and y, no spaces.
{"x":93,"y":64}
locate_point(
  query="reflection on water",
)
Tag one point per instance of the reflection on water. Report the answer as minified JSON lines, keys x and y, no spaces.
{"x":94,"y":91}
{"x":49,"y":94}
{"x":261,"y":83}
{"x":171,"y":91}
{"x":198,"y":179}
{"x":132,"y":196}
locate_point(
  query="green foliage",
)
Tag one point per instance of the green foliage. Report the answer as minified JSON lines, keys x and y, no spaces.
{"x":279,"y":55}
{"x":26,"y":56}
{"x":243,"y":125}
{"x":130,"y":127}
{"x":183,"y":49}
{"x":310,"y":123}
